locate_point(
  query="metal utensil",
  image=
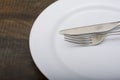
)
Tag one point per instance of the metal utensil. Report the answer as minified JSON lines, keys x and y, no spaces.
{"x":89,"y":40}
{"x":90,"y":28}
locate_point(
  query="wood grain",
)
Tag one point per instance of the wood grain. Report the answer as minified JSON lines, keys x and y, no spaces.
{"x":16,"y":20}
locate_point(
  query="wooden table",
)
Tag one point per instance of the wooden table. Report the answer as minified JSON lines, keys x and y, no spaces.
{"x":16,"y":19}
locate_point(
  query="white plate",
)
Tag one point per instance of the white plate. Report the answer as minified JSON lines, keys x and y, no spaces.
{"x":61,"y":60}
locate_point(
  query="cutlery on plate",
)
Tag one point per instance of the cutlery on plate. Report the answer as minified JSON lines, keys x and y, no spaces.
{"x":91,"y":35}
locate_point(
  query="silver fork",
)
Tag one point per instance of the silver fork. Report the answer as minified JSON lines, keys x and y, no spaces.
{"x":89,"y":39}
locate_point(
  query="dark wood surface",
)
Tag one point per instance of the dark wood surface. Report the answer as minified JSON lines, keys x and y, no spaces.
{"x":16,"y":19}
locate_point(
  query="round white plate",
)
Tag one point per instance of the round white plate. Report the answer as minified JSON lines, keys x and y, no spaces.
{"x":60,"y":60}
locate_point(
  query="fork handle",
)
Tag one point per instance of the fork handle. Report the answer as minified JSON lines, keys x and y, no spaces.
{"x":113,"y":33}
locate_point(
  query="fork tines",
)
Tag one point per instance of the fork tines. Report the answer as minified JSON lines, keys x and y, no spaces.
{"x":79,"y":39}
